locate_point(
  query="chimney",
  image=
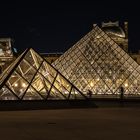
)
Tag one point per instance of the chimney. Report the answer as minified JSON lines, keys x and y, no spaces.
{"x":94,"y":25}
{"x":126,"y":29}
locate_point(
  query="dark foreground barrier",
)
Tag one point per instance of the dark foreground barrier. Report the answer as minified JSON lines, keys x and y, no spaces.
{"x":117,"y":102}
{"x":65,"y":104}
{"x":52,"y":104}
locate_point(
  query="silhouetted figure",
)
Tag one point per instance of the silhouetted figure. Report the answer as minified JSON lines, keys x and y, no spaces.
{"x":89,"y":93}
{"x":121,"y":93}
{"x":0,"y":70}
{"x":121,"y":96}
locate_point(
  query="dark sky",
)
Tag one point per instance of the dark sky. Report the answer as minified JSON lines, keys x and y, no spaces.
{"x":54,"y":26}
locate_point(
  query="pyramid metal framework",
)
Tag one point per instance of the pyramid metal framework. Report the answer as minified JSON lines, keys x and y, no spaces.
{"x":31,"y":77}
{"x":97,"y":64}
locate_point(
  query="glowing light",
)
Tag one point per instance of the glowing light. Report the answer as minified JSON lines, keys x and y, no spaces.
{"x":126,"y":85}
{"x":91,"y":84}
{"x":66,"y":92}
{"x":98,"y":36}
{"x":16,"y":84}
{"x":98,"y":79}
{"x":24,"y":85}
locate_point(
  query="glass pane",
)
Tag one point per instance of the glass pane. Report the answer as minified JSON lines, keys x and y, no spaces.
{"x":47,"y":71}
{"x":26,"y":70}
{"x":61,"y":81}
{"x":38,"y":82}
{"x":50,"y":69}
{"x":44,"y":92}
{"x":29,"y":58}
{"x":61,"y":88}
{"x":38,"y":60}
{"x":75,"y":94}
{"x":31,"y":94}
{"x":13,"y":79}
{"x":55,"y":95}
{"x":17,"y":84}
{"x":8,"y":69}
{"x":33,"y":58}
{"x":6,"y":94}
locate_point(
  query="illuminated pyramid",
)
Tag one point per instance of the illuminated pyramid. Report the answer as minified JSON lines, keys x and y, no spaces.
{"x":96,"y":63}
{"x":31,"y":77}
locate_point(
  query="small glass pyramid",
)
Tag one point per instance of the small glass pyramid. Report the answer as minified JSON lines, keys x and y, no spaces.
{"x":31,"y":77}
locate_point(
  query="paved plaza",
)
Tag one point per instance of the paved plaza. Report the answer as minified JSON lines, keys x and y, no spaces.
{"x":71,"y":124}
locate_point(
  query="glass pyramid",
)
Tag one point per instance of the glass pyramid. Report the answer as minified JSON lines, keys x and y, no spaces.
{"x":31,"y":77}
{"x":97,"y":64}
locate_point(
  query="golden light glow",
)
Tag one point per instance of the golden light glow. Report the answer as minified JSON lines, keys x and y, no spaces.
{"x":98,"y":79}
{"x":66,"y":92}
{"x":16,"y":84}
{"x":23,"y":85}
{"x":120,"y":79}
{"x":126,"y":85}
{"x":91,"y":84}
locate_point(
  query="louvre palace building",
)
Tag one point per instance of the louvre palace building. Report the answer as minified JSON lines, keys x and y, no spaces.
{"x":99,"y":64}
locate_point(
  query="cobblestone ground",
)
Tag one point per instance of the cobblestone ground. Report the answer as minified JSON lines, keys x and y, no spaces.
{"x":71,"y":124}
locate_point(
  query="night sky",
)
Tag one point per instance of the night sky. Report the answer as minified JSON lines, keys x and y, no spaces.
{"x":56,"y":25}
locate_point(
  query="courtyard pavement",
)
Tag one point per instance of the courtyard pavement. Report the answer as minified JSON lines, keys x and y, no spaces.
{"x":71,"y":124}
